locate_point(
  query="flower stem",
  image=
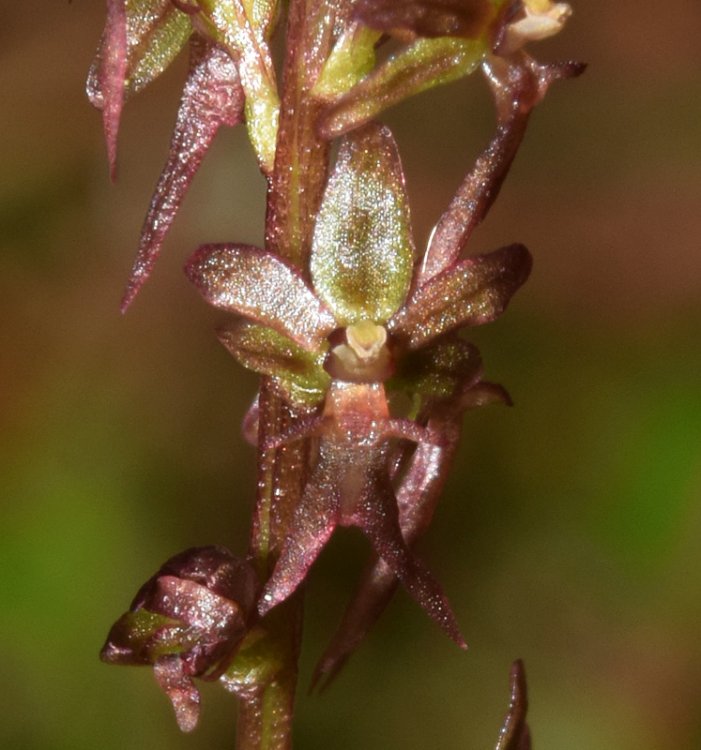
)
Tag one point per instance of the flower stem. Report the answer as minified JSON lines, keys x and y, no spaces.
{"x":294,"y":194}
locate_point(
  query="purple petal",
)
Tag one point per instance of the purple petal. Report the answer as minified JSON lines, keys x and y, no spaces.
{"x":314,"y":520}
{"x":517,"y":85}
{"x":417,"y":498}
{"x":171,"y":676}
{"x":195,"y":605}
{"x":377,"y":516}
{"x":470,"y":293}
{"x":258,"y":285}
{"x":113,"y":68}
{"x":212,"y":97}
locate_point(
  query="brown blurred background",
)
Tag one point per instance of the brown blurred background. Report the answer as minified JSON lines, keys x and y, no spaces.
{"x":568,"y":536}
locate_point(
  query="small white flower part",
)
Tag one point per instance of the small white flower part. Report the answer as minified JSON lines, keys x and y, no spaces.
{"x":365,"y":357}
{"x":540,"y":19}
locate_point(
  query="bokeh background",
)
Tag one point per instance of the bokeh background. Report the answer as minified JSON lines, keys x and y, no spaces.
{"x":569,"y":533}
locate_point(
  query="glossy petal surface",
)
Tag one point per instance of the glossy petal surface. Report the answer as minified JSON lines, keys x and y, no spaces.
{"x":422,"y":65}
{"x":298,"y":372}
{"x":250,"y":282}
{"x":472,"y":292}
{"x":362,"y":251}
{"x":212,"y":97}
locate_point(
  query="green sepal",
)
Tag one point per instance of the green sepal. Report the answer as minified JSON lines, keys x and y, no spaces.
{"x":140,"y":637}
{"x":420,"y":66}
{"x":438,"y":371}
{"x":351,"y":59}
{"x":362,"y":250}
{"x":231,"y":26}
{"x":298,"y":373}
{"x":156,"y":32}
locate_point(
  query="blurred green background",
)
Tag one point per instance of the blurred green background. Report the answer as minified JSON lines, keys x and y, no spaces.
{"x":569,"y":534}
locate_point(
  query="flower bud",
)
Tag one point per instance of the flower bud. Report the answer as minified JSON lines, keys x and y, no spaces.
{"x":187,"y":621}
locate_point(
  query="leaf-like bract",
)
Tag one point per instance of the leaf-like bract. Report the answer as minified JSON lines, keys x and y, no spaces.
{"x":362,"y":250}
{"x":212,"y":97}
{"x":246,"y":42}
{"x":351,"y":59}
{"x":420,"y":66}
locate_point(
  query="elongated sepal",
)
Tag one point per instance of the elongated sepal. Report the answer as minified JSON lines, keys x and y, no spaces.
{"x":515,"y":734}
{"x":105,"y":86}
{"x":420,"y":66}
{"x":212,"y":97}
{"x":351,"y":59}
{"x":439,"y":370}
{"x":298,"y":373}
{"x":258,"y":285}
{"x":246,"y":40}
{"x":427,"y":18}
{"x":471,"y":292}
{"x":140,"y":40}
{"x":518,"y":84}
{"x":187,"y":621}
{"x":362,"y":250}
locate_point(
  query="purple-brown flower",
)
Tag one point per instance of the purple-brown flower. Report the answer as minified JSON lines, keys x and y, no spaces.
{"x":363,"y":323}
{"x":187,"y":621}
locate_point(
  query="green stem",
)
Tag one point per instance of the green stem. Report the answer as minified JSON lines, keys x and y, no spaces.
{"x":294,"y":194}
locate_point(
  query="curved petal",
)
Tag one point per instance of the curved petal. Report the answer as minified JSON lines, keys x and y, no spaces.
{"x":362,"y":251}
{"x":258,"y":285}
{"x":470,"y":293}
{"x":299,"y":373}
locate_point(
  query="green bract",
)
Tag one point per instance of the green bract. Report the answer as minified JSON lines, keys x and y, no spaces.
{"x":242,"y":28}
